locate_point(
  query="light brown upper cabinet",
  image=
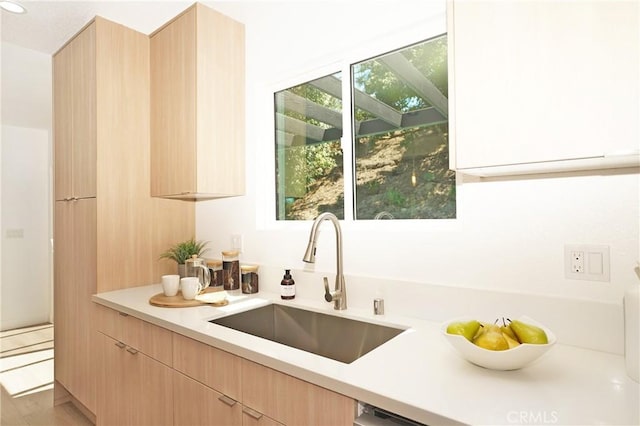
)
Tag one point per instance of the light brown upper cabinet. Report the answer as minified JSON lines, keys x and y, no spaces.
{"x":197,"y":106}
{"x":75,"y":117}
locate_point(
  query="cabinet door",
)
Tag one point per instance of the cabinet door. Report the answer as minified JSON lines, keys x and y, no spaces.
{"x":112,"y":405}
{"x":74,"y":283}
{"x":134,"y":388}
{"x":152,"y":402}
{"x":270,"y":392}
{"x":173,"y":107}
{"x":220,"y":104}
{"x":196,"y":404}
{"x":74,"y":100}
{"x":84,"y":286}
{"x":62,"y":123}
{"x":197,"y":106}
{"x":543,"y":81}
{"x":63,"y":293}
{"x":84,"y":113}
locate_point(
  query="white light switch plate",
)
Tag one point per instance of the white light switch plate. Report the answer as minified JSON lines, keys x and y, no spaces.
{"x":14,"y":233}
{"x":236,"y":242}
{"x":589,"y":262}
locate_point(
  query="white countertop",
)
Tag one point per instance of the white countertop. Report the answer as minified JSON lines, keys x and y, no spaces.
{"x":418,"y":374}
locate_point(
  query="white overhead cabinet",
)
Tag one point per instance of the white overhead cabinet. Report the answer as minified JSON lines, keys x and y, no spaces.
{"x":543,"y":86}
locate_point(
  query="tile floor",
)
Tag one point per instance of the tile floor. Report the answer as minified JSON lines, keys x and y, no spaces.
{"x":26,"y":381}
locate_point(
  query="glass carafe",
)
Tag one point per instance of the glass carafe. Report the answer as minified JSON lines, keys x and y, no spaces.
{"x":197,"y":267}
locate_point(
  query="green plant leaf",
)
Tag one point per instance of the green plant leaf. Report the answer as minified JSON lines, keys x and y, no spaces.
{"x":184,"y":250}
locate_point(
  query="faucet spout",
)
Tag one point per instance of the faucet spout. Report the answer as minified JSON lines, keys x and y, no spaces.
{"x":339,"y":295}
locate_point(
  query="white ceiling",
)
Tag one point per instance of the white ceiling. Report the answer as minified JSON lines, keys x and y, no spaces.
{"x":47,"y":25}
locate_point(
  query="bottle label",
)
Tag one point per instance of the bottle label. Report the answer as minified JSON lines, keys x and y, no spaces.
{"x":288,"y":290}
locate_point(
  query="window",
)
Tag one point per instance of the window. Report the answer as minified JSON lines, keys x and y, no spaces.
{"x":309,"y":166}
{"x":400,"y":164}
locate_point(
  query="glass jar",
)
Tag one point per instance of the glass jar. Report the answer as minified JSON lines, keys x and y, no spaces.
{"x":215,"y":270}
{"x":249,"y":278}
{"x":231,"y":270}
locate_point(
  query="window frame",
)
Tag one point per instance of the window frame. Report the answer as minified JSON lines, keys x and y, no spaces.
{"x":377,"y":46}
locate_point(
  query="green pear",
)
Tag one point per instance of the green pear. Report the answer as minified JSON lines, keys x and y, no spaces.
{"x":528,"y":333}
{"x":467,"y":329}
{"x":512,"y":342}
{"x":506,"y":329}
{"x":491,"y":338}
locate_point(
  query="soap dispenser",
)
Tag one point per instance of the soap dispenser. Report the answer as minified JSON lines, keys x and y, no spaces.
{"x":287,"y":286}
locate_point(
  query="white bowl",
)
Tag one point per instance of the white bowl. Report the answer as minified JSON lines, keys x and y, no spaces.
{"x":510,"y":359}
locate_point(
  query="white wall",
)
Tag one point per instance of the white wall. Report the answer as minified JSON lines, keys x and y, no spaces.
{"x":26,"y":283}
{"x":509,"y":234}
{"x":25,"y":296}
{"x":26,"y":87}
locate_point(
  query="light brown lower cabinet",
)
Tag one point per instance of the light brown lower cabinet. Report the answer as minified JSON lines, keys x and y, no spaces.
{"x":198,"y":405}
{"x":134,"y":389}
{"x":267,"y":396}
{"x":292,"y":401}
{"x":151,"y":376}
{"x":135,"y":378}
{"x":210,"y":387}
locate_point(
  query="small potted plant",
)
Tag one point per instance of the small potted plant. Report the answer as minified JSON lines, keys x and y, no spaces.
{"x":183,"y":251}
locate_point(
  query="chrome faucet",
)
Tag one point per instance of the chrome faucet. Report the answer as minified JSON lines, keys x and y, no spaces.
{"x":339,"y":295}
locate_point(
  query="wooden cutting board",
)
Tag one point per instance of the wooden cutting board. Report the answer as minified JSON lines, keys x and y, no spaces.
{"x":178,"y":301}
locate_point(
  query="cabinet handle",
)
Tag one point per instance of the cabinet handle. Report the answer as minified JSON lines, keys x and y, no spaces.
{"x":229,"y":401}
{"x":120,"y":345}
{"x":253,"y":413}
{"x":132,"y":350}
{"x":124,"y":314}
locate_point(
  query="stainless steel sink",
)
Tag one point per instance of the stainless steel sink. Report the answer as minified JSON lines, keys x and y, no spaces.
{"x":341,"y":339}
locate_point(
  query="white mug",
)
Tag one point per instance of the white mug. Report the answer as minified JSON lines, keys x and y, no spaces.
{"x":190,"y":287}
{"x":170,"y":284}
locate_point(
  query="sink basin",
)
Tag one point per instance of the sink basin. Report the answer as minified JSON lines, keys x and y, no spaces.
{"x":341,"y":339}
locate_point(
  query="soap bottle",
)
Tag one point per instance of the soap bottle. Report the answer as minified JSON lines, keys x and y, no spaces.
{"x":287,"y":286}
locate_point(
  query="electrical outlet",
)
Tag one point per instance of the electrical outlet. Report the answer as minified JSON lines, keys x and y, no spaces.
{"x":588,"y":262}
{"x":577,"y":262}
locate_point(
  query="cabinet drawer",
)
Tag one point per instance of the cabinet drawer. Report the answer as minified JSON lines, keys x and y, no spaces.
{"x":293,"y":401}
{"x":147,"y":338}
{"x":108,"y":322}
{"x":196,"y":404}
{"x":215,"y":368}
